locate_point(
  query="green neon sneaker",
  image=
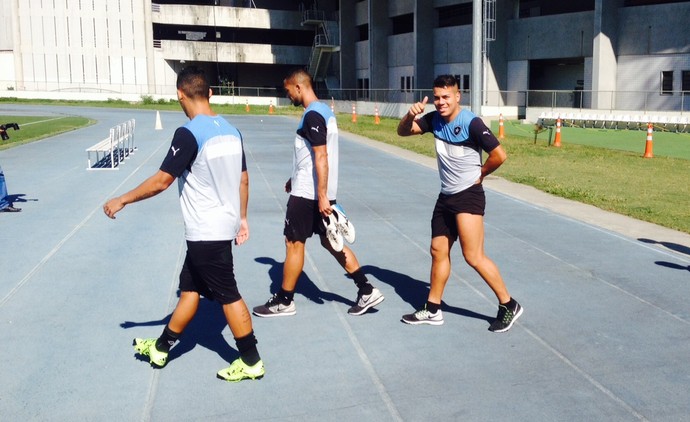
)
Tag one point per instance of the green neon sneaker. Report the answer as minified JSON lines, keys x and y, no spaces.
{"x":147,"y":347}
{"x":238,"y":371}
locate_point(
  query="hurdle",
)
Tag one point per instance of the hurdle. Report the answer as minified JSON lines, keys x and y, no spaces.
{"x":111,"y":151}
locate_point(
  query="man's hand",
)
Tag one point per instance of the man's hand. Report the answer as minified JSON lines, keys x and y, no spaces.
{"x":112,"y":207}
{"x":325,"y":207}
{"x":407,"y":125}
{"x":418,"y":108}
{"x":288,"y":186}
{"x":243,"y":234}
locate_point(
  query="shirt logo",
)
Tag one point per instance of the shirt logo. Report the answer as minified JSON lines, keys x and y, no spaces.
{"x":315,"y":129}
{"x":456,"y":130}
{"x":486,"y":132}
{"x":174,"y":151}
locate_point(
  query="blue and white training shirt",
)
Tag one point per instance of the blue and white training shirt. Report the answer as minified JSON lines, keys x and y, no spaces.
{"x":207,"y":157}
{"x":459,"y":146}
{"x":317,"y":127}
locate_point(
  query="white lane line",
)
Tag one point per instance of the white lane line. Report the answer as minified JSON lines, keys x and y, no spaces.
{"x":59,"y":245}
{"x":589,"y":378}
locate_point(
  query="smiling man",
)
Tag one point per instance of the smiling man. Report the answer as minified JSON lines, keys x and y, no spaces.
{"x":460,"y":138}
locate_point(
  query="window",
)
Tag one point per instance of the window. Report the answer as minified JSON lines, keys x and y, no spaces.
{"x":363,"y":32}
{"x":455,"y":15}
{"x":466,"y":83}
{"x":667,"y":82}
{"x":403,"y":24}
{"x":363,"y":88}
{"x":685,"y":81}
{"x":406,"y":83}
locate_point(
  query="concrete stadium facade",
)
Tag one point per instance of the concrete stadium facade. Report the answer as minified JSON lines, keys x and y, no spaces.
{"x":595,"y":54}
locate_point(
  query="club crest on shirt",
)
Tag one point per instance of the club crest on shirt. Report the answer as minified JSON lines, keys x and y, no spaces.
{"x":456,"y":130}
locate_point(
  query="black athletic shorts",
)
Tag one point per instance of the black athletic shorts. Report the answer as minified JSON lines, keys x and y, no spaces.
{"x":471,"y":201}
{"x":208,"y":270}
{"x":303,"y":219}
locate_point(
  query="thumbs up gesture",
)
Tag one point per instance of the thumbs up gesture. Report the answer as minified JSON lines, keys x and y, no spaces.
{"x":418,"y":108}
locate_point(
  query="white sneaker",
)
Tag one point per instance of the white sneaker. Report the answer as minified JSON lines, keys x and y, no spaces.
{"x":273,"y":308}
{"x":345,"y":226}
{"x":364,"y":303}
{"x":423,"y":316}
{"x":332,"y":233}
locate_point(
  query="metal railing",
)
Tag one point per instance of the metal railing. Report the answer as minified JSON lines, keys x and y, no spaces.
{"x":642,"y":101}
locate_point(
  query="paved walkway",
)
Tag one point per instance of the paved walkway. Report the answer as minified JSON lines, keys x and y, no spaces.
{"x":605,"y":334}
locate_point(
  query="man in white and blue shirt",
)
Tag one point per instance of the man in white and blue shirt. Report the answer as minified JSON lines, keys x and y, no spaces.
{"x":207,"y":158}
{"x":460,"y":138}
{"x":313,"y":187}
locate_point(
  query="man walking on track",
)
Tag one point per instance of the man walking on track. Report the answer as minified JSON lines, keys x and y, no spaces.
{"x":312,"y":190}
{"x":207,"y":157}
{"x":460,"y":137}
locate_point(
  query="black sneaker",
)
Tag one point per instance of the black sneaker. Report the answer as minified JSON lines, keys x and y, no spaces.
{"x":275,"y":308}
{"x":506,"y":318}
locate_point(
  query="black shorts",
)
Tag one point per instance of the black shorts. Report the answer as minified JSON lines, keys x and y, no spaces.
{"x":470,"y":201}
{"x":208,"y":270}
{"x":303,"y":219}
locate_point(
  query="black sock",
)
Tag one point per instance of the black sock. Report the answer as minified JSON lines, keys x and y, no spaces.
{"x":285,"y":296}
{"x":166,"y":340}
{"x":363,"y":286}
{"x":433,"y":307}
{"x":247,"y":348}
{"x":510,"y":304}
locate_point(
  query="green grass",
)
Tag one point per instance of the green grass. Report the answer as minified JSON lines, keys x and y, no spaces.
{"x":147,"y":103}
{"x":32,"y":128}
{"x":665,"y":142}
{"x":600,"y":168}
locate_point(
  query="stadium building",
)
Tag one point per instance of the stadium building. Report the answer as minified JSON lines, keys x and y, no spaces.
{"x":592,"y":54}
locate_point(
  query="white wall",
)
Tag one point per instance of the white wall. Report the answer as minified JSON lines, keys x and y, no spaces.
{"x":98,"y":46}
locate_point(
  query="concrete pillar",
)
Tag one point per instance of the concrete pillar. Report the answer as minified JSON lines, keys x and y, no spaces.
{"x":476,"y":80}
{"x":424,"y":24}
{"x":17,"y":46}
{"x":348,"y":34}
{"x":150,"y":52}
{"x":604,"y":63}
{"x":379,"y":30}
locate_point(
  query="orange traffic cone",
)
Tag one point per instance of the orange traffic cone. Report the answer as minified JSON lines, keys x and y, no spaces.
{"x":501,"y":130}
{"x":354,"y":113}
{"x":270,"y":108}
{"x":377,"y":119}
{"x":557,"y":139}
{"x":332,"y":105}
{"x":648,"y":146}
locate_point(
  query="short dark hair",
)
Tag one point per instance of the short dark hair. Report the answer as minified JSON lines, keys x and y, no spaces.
{"x":443,"y":81}
{"x":300,"y":74}
{"x":193,"y":82}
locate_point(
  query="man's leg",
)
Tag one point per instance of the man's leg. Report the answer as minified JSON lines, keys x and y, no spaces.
{"x":239,"y":320}
{"x":294,"y":263}
{"x":440,"y":272}
{"x":158,"y":349}
{"x":184,"y":311}
{"x":249,"y":365}
{"x":471,"y":231}
{"x":3,"y":191}
{"x":440,"y":267}
{"x":367,"y":295}
{"x":282,"y":303}
{"x":346,"y":258}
